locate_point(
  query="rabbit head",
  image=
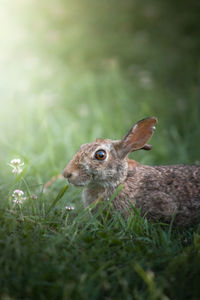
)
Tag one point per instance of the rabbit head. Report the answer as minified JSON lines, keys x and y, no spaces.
{"x":104,"y":162}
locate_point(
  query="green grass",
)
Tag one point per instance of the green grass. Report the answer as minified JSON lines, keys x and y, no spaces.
{"x":70,"y":73}
{"x":76,"y":255}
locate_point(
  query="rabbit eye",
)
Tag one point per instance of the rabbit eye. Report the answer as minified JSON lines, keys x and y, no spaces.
{"x":100,"y":155}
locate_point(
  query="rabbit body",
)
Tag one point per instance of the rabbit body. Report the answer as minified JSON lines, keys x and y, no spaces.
{"x":159,"y":191}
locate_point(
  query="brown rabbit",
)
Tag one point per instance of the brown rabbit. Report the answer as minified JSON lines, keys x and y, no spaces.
{"x":160,"y":191}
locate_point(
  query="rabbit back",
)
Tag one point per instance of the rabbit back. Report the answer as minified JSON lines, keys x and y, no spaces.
{"x":161,"y":191}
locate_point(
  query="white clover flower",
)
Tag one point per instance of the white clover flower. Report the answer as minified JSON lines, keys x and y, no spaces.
{"x":17,"y":201}
{"x":16,"y":161}
{"x":18,"y":193}
{"x":18,"y":197}
{"x":71,"y":207}
{"x":17,"y":165}
{"x":17,"y":170}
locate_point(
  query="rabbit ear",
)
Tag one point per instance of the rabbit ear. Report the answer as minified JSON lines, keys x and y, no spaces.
{"x":137,"y":137}
{"x":147,"y":147}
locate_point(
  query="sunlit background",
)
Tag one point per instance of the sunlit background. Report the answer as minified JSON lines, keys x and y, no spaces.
{"x":72,"y":71}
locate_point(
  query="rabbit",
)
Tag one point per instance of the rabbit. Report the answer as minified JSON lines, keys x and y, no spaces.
{"x":159,"y":191}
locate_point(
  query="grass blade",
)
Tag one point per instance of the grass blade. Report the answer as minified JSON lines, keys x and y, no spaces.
{"x":59,"y":196}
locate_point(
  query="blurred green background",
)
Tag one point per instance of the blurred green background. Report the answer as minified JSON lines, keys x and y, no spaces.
{"x":72,"y":71}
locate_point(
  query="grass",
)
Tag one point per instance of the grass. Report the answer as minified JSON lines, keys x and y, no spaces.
{"x":70,"y":75}
{"x":76,"y":255}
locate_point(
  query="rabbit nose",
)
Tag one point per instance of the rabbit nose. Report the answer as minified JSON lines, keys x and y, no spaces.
{"x":67,"y":174}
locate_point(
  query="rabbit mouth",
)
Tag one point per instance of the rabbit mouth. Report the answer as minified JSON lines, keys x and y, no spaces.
{"x":78,"y":183}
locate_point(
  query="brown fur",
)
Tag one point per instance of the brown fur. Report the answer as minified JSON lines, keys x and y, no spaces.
{"x":160,"y":191}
